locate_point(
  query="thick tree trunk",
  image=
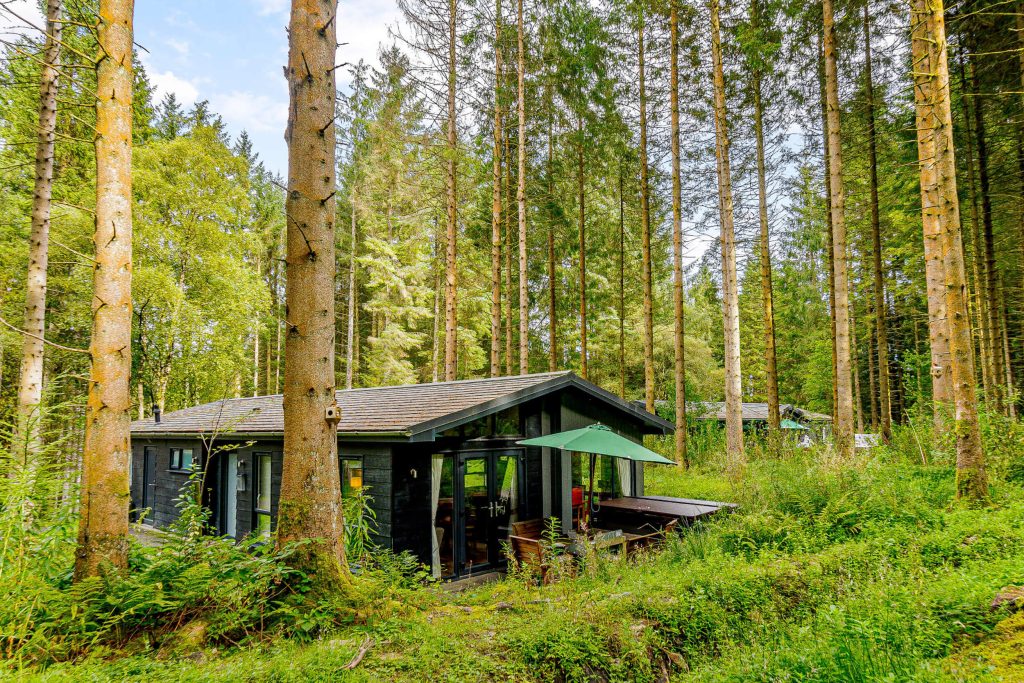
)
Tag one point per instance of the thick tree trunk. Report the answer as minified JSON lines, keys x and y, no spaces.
{"x":451,"y":272}
{"x":730,"y":293}
{"x":310,"y":500}
{"x":881,"y":333}
{"x":524,"y":296}
{"x":770,"y":367}
{"x":843,"y":428}
{"x":938,"y":329}
{"x":496,"y":203}
{"x":30,"y":388}
{"x":679,"y":343}
{"x":581,"y":188}
{"x":972,"y":482}
{"x":645,"y":228}
{"x":103,"y":522}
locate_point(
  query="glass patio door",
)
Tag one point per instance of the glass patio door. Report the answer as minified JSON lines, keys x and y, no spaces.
{"x":489,"y":503}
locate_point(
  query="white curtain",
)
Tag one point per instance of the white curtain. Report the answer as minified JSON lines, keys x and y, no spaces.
{"x":436,"y":465}
{"x":623,"y":466}
{"x":512,"y":476}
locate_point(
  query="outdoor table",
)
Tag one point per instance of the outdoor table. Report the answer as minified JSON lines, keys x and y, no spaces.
{"x":680,"y":508}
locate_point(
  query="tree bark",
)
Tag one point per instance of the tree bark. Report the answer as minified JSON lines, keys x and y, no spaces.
{"x":730,"y":293}
{"x":972,"y":480}
{"x":843,"y":429}
{"x":26,"y":438}
{"x":552,"y":292}
{"x":771,"y":368}
{"x":828,"y":224}
{"x":679,"y":338}
{"x":350,"y":332}
{"x":524,"y":296}
{"x":509,"y":331}
{"x":103,"y":522}
{"x":881,"y":333}
{"x":496,"y":204}
{"x":645,"y":227}
{"x":310,"y":499}
{"x":451,"y":277}
{"x":581,"y":185}
{"x":622,"y":287}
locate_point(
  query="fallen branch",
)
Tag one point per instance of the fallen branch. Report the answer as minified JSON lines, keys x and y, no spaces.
{"x":363,"y":649}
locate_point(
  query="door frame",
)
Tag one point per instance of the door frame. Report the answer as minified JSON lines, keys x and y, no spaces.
{"x":227,"y":485}
{"x":496,"y":559}
{"x":149,"y":454}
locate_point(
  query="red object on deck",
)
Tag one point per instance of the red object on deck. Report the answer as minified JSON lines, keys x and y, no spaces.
{"x":577,"y":495}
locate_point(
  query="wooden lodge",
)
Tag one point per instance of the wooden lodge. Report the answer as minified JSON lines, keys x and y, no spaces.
{"x":439,"y":462}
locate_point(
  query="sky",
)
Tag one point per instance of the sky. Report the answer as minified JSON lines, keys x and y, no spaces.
{"x":232,"y":53}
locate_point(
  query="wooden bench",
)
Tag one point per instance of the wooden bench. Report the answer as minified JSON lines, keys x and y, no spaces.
{"x":530,"y":552}
{"x":530,"y":528}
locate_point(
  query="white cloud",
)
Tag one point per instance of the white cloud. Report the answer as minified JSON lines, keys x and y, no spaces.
{"x":179,"y":46}
{"x":265,"y":7}
{"x":363,"y":27}
{"x":251,"y":111}
{"x":165,"y":82}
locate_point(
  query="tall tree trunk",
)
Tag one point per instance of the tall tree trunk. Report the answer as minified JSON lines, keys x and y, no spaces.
{"x":972,"y":481}
{"x":30,"y":386}
{"x":872,"y":384}
{"x":310,"y":498}
{"x":828,"y":224}
{"x":989,"y":273}
{"x":582,"y":186}
{"x":843,"y":429}
{"x":881,"y":334}
{"x":524,"y":297}
{"x":496,"y":203}
{"x":350,"y":332}
{"x":622,"y":287}
{"x":451,"y":276}
{"x":858,"y":405}
{"x":679,"y":338}
{"x":645,"y":228}
{"x":509,"y":331}
{"x":770,"y":367}
{"x":730,"y":293}
{"x":103,"y":522}
{"x":552,"y":292}
{"x":938,"y":329}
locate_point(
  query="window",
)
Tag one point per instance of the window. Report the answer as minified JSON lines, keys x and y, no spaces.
{"x":182,"y":460}
{"x":262,"y":501}
{"x":351,"y":475}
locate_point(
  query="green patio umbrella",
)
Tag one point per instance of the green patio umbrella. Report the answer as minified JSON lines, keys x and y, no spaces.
{"x":790,"y":424}
{"x":596,"y":439}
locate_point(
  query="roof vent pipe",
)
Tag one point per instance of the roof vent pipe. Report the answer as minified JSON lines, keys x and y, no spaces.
{"x":156,"y":413}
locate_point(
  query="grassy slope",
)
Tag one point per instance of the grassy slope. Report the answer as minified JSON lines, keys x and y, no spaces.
{"x":827,"y":572}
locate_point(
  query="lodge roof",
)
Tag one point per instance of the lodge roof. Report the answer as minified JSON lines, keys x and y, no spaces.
{"x":752,"y":412}
{"x":398,"y":411}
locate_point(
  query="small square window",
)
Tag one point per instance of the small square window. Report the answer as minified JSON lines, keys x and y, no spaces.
{"x":182,"y":459}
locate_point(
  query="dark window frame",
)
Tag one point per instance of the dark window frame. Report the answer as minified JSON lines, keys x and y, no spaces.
{"x":257,"y":511}
{"x":176,"y":464}
{"x":341,"y":471}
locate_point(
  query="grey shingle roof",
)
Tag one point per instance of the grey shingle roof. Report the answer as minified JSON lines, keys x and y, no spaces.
{"x":403,"y":409}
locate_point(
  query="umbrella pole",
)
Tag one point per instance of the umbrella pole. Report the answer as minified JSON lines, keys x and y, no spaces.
{"x":590,"y":495}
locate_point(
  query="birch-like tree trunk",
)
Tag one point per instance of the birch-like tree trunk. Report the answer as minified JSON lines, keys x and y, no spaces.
{"x":451,"y":271}
{"x":310,"y":500}
{"x":972,"y":481}
{"x":645,"y":227}
{"x":843,"y":428}
{"x":524,"y":296}
{"x":103,"y":521}
{"x":30,"y":387}
{"x":679,"y":338}
{"x":496,"y":202}
{"x":770,"y":367}
{"x":730,"y":290}
{"x":881,"y":335}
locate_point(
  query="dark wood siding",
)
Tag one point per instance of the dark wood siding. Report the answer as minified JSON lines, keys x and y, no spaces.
{"x":167,"y":483}
{"x":411,"y":523}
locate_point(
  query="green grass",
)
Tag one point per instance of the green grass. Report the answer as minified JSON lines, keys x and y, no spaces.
{"x":829,"y":571}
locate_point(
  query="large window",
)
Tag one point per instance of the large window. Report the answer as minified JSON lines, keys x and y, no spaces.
{"x":182,"y":459}
{"x":264,"y":475}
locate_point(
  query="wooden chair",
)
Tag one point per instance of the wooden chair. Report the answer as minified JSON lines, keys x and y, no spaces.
{"x":530,"y":528}
{"x":529,"y":552}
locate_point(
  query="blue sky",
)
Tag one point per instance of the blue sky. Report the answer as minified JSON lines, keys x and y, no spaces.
{"x":231,"y":52}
